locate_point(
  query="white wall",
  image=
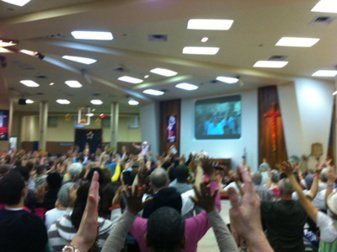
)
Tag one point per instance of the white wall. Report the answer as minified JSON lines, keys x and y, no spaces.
{"x":306,"y":108}
{"x":224,"y":148}
{"x":149,"y":118}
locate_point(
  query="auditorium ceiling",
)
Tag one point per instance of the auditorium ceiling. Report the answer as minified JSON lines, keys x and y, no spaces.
{"x":150,"y":34}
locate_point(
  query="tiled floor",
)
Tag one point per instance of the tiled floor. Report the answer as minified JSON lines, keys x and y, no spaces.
{"x":208,"y":242}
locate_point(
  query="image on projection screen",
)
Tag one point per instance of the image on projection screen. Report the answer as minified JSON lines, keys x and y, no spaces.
{"x":218,"y":118}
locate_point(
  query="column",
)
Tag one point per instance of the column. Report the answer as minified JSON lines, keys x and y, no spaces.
{"x":334,"y":129}
{"x":43,"y":125}
{"x":10,"y":122}
{"x":114,"y":115}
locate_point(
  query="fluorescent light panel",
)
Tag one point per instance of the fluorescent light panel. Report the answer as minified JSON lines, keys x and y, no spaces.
{"x":334,"y":93}
{"x":153,"y":92}
{"x":28,"y":52}
{"x":297,"y":42}
{"x":270,"y":63}
{"x":130,"y":79}
{"x":73,"y":84}
{"x":133,"y":102}
{"x":187,"y":86}
{"x":4,"y":50}
{"x":163,"y":72}
{"x":92,"y":35}
{"x":29,"y":101}
{"x":228,"y":80}
{"x":209,"y":24}
{"x":328,"y":6}
{"x":5,"y":43}
{"x":96,"y":102}
{"x":325,"y":73}
{"x":82,"y":60}
{"x":17,"y":2}
{"x":29,"y":83}
{"x":200,"y":50}
{"x":63,"y":101}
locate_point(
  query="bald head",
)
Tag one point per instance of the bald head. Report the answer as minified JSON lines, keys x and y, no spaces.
{"x":159,"y":178}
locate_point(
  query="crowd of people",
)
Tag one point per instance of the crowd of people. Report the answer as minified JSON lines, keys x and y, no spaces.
{"x":107,"y":201}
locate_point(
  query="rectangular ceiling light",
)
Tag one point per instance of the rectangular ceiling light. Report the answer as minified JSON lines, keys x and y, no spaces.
{"x":327,"y":6}
{"x":325,"y":73}
{"x":29,"y":83}
{"x":82,"y":60}
{"x":228,"y":80}
{"x":297,"y":42}
{"x":6,"y":42}
{"x":153,"y":92}
{"x":63,"y":101}
{"x":17,"y":2}
{"x":28,"y":52}
{"x":73,"y":84}
{"x":163,"y":72}
{"x":200,"y":50}
{"x":92,"y":35}
{"x":4,"y":50}
{"x":187,"y":86}
{"x":130,"y":79}
{"x":270,"y":63}
{"x":209,"y":24}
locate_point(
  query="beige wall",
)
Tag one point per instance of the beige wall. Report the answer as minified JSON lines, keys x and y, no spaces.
{"x":65,"y":131}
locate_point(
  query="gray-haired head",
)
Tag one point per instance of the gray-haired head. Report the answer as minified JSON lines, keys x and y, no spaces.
{"x":257,"y":178}
{"x":285,"y":187}
{"x":159,"y":178}
{"x":324,"y":175}
{"x":63,"y":195}
{"x":275,"y":176}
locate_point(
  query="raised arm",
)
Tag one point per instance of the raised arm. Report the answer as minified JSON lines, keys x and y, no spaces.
{"x":311,"y":210}
{"x":331,"y":181}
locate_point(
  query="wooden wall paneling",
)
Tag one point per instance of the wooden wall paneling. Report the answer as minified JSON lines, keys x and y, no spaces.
{"x":267,"y":98}
{"x":168,"y":108}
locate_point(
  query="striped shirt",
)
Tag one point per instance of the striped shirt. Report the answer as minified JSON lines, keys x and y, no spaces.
{"x":61,"y":232}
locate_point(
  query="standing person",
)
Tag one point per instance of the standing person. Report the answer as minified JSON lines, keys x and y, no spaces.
{"x":326,"y":224}
{"x":144,"y":148}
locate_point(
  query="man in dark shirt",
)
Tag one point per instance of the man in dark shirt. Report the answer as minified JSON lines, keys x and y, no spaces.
{"x":284,"y":221}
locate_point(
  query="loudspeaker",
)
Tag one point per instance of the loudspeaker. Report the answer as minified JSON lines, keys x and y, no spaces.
{"x":22,"y":101}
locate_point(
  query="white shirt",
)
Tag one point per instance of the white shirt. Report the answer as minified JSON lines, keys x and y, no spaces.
{"x":327,"y":227}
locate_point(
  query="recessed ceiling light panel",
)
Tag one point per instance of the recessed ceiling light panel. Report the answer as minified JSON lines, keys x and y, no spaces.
{"x":270,"y":64}
{"x":92,"y":35}
{"x":328,"y":6}
{"x":297,"y":42}
{"x":163,"y":72}
{"x":96,"y":102}
{"x":4,"y":50}
{"x":82,"y":60}
{"x":28,"y":52}
{"x":73,"y":84}
{"x":130,"y":79}
{"x":17,"y":2}
{"x":29,"y":101}
{"x":209,"y":24}
{"x":7,"y":42}
{"x":187,"y":86}
{"x":153,"y":92}
{"x":63,"y":101}
{"x":325,"y":73}
{"x":133,"y":102}
{"x":200,"y":50}
{"x":228,"y":80}
{"x":29,"y":83}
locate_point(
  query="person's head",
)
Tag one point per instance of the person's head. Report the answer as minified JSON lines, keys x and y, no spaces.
{"x":30,"y":165}
{"x":4,"y":169}
{"x":182,"y":173}
{"x":332,"y":204}
{"x":286,"y":188}
{"x":63,"y":194}
{"x":74,"y":170}
{"x":275,"y":176}
{"x":324,"y":175}
{"x":54,"y":180}
{"x":308,"y":180}
{"x":257,"y":178}
{"x":168,"y":197}
{"x":165,"y":230}
{"x":40,"y":170}
{"x":159,"y":179}
{"x":12,"y":188}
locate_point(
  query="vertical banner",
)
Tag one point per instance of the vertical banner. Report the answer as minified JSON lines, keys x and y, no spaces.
{"x":91,"y":136}
{"x":4,"y":119}
{"x":171,"y":129}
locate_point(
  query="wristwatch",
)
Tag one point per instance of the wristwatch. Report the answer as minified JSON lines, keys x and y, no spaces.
{"x":69,"y":248}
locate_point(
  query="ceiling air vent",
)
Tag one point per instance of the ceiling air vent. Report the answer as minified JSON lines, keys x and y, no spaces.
{"x":278,"y":57}
{"x":41,"y":76}
{"x":213,"y":81}
{"x":158,"y":37}
{"x":323,"y":20}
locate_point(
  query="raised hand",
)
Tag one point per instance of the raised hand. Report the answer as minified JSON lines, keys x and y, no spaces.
{"x":204,"y":198}
{"x":134,"y":199}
